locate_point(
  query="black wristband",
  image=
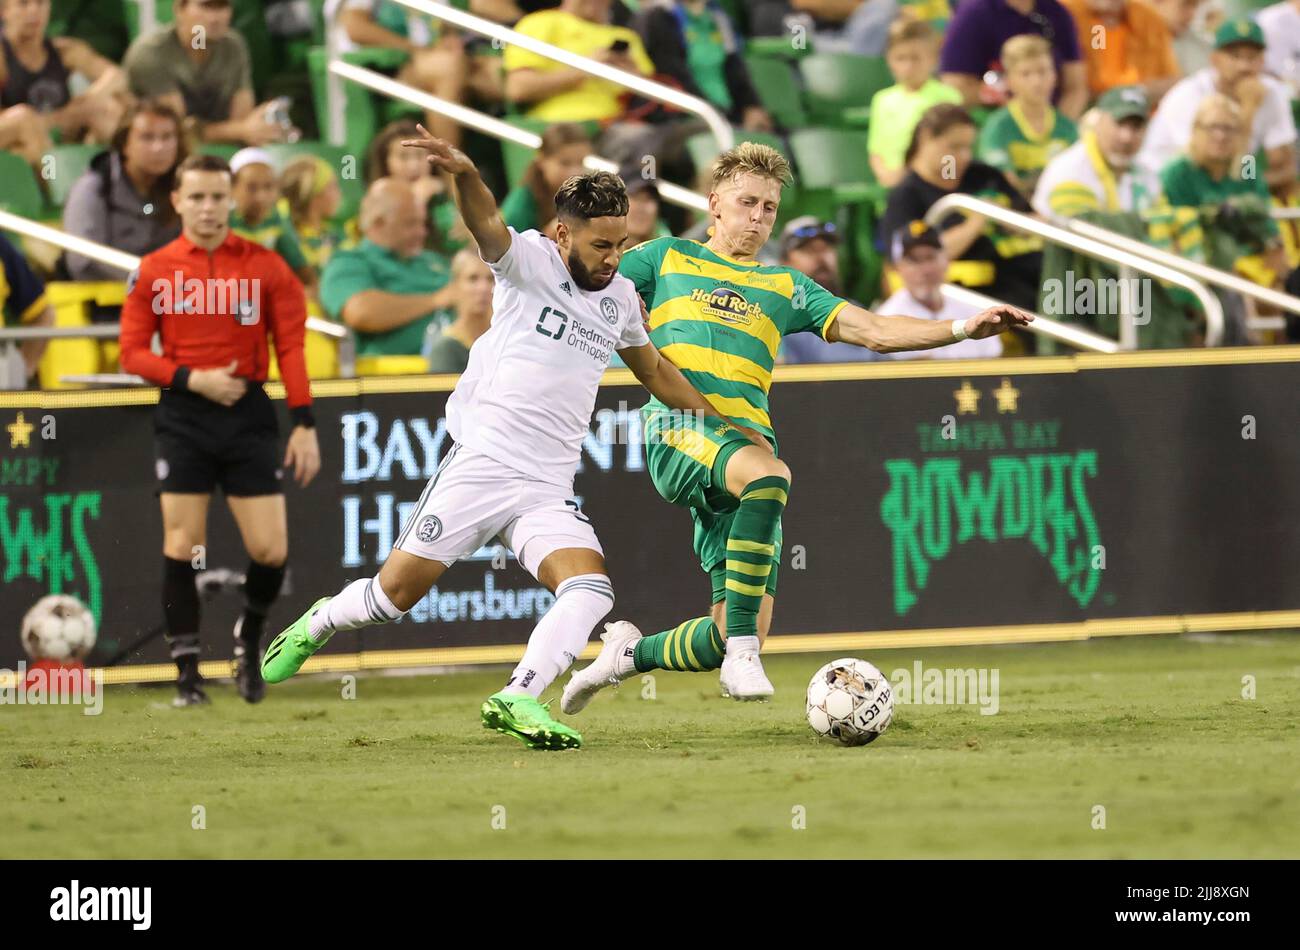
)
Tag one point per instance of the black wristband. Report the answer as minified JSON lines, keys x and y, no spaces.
{"x":302,"y":416}
{"x":181,"y":378}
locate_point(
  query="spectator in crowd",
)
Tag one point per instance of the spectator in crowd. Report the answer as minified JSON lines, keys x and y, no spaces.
{"x":387,"y":158}
{"x":1191,"y":46}
{"x":388,"y":288}
{"x":912,"y":56}
{"x":311,"y":197}
{"x":918,"y":256}
{"x":440,"y":62}
{"x":1001,"y":264}
{"x":35,"y":71}
{"x":1281,"y":24}
{"x":200,"y":66}
{"x":23,"y":302}
{"x":256,"y":192}
{"x":811,"y":247}
{"x":1100,"y":171}
{"x":124,"y":198}
{"x":694,"y":43}
{"x":472,"y":285}
{"x":1211,"y":173}
{"x":643,"y":222}
{"x":1027,"y":133}
{"x":530,"y":205}
{"x":980,"y":27}
{"x":849,"y":26}
{"x":1237,"y":71}
{"x":1137,"y":48}
{"x":554,"y":92}
{"x":23,"y":132}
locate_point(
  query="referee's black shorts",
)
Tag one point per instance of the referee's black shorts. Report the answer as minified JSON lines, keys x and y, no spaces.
{"x":201,"y":444}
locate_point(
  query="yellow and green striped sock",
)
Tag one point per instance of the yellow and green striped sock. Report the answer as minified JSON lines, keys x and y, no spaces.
{"x":694,"y":645}
{"x":750,"y":549}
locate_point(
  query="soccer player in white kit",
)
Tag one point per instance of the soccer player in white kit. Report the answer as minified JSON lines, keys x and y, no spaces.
{"x":517,"y":417}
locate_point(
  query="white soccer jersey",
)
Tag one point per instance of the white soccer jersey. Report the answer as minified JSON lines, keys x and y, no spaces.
{"x":527,"y":395}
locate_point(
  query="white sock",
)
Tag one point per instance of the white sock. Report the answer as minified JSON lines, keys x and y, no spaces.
{"x":738,"y":645}
{"x":581,"y":602}
{"x":362,"y":603}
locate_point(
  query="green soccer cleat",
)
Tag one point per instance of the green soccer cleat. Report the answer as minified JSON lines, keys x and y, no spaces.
{"x":528,"y":721}
{"x":290,"y":650}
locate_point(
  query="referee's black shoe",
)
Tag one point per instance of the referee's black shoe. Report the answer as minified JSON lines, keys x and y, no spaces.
{"x":189,"y":687}
{"x":248,"y":666}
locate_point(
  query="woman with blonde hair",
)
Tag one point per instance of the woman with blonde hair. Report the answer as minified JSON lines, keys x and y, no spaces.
{"x":311,"y":195}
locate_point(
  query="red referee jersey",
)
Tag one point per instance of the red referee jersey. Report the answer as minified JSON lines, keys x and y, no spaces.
{"x":212,"y":308}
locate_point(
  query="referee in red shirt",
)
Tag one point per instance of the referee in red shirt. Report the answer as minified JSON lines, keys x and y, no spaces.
{"x":214,"y":298}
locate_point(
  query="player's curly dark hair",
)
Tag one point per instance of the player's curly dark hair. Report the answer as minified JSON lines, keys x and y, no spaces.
{"x":595,"y":195}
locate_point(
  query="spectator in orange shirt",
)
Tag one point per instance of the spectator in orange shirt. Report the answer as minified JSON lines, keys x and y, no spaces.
{"x":1125,"y":43}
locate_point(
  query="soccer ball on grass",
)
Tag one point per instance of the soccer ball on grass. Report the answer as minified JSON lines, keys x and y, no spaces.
{"x":851,"y":701}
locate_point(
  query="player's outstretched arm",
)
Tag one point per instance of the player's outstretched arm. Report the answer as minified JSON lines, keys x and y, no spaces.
{"x":665,"y":382}
{"x":861,"y":327}
{"x":473,"y":199}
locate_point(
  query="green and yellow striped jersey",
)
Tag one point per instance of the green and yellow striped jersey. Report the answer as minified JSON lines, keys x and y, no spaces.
{"x":720,"y":320}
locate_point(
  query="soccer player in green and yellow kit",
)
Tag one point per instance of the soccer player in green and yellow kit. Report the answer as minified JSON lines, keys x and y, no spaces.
{"x":719,"y":316}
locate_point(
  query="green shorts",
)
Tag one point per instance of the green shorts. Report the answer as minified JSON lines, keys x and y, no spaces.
{"x":687,"y":457}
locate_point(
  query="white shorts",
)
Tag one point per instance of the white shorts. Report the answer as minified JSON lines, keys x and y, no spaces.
{"x":472,"y":499}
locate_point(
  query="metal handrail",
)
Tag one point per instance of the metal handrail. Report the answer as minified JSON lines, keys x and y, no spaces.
{"x":105,"y":255}
{"x":1202,"y":272}
{"x":147,"y":16}
{"x":1069,"y":334}
{"x":1092,"y":248}
{"x":657,"y":91}
{"x":1284,"y":214}
{"x":489,"y":125}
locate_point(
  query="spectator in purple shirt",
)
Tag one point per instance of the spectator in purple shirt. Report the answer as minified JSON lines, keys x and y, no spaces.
{"x":978,"y":29}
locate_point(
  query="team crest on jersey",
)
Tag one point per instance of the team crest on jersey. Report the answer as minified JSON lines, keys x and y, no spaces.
{"x":429,"y":530}
{"x":609,"y":311}
{"x":727,"y":305}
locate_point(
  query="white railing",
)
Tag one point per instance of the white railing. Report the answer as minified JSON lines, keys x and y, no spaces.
{"x":489,"y":125}
{"x":1066,"y":333}
{"x":1202,"y":272}
{"x":657,"y":91}
{"x":125,"y":263}
{"x":1055,"y":234}
{"x":146,"y":16}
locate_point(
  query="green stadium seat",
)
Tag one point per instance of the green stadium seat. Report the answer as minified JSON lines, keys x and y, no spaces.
{"x":703,"y":147}
{"x":778,"y":47}
{"x":778,"y":90}
{"x":219,"y":149}
{"x":70,"y":163}
{"x":21,"y":194}
{"x":838,"y":87}
{"x":363,"y":118}
{"x":836,"y":184}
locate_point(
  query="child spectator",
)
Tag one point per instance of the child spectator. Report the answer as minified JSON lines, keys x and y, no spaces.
{"x":912,"y":56}
{"x":531,"y":203}
{"x":311,"y":200}
{"x":255,"y":217}
{"x":1027,"y":133}
{"x":386,"y":158}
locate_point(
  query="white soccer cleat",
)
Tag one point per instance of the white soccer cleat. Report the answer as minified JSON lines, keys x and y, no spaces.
{"x":612,"y":666}
{"x":742,"y":677}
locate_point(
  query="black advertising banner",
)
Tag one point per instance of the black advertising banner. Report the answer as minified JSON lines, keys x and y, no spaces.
{"x":924,"y":496}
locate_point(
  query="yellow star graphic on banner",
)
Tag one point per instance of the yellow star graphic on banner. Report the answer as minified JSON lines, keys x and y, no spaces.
{"x":20,"y":433}
{"x":968,"y":398}
{"x":1007,"y":396}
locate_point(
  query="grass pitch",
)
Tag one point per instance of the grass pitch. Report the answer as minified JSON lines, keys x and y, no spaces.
{"x":1154,"y":730}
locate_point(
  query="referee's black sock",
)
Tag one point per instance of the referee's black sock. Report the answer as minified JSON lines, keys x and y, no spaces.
{"x":181,"y":613}
{"x":261,"y":586}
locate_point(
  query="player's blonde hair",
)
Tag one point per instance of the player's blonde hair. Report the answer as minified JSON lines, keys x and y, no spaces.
{"x":751,"y":158}
{"x":1023,"y":49}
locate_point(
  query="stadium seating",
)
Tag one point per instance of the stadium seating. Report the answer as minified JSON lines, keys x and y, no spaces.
{"x":777,"y":86}
{"x":70,"y":163}
{"x":21,"y":194}
{"x":839,"y":87}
